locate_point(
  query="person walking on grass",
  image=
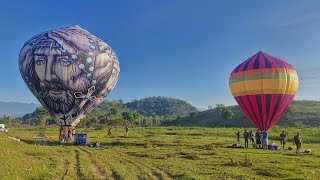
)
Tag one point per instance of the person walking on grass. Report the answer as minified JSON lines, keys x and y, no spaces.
{"x":297,"y":139}
{"x":127,"y":130}
{"x":238,"y":137}
{"x":246,"y":138}
{"x":283,"y":137}
{"x":258,"y":139}
{"x":265,"y":135}
{"x":109,"y":131}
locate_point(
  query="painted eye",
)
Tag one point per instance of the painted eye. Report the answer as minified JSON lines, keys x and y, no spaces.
{"x":65,"y":62}
{"x":40,"y":61}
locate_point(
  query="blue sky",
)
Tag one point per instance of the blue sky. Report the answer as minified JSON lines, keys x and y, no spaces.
{"x":183,"y":49}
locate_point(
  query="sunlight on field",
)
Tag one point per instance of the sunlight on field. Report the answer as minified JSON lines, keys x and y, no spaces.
{"x":156,"y":153}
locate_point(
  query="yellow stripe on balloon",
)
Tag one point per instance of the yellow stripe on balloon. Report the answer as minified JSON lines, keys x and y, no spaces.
{"x":265,"y":86}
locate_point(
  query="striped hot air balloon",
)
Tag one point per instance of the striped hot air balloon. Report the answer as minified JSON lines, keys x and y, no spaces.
{"x":264,"y":86}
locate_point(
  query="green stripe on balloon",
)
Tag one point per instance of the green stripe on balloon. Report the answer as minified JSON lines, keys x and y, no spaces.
{"x":264,"y":76}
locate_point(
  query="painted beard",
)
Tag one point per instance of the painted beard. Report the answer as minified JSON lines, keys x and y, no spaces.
{"x":58,"y":98}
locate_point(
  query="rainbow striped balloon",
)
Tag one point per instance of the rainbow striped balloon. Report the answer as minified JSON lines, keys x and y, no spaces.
{"x":264,"y":86}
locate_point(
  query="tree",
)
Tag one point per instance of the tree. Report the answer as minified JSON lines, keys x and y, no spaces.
{"x":127,"y":115}
{"x":5,"y":120}
{"x":226,"y":113}
{"x":43,"y":116}
{"x":193,"y":114}
{"x":219,"y":107}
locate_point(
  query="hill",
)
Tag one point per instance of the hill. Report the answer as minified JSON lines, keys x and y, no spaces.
{"x":161,"y":106}
{"x":16,"y":108}
{"x":299,"y":114}
{"x":145,"y":112}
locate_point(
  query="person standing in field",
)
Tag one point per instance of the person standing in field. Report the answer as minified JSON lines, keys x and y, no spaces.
{"x":73,"y":133}
{"x":251,"y":137}
{"x":246,"y":138}
{"x":258,"y":139}
{"x":109,"y":131}
{"x":238,"y":137}
{"x":265,"y":135}
{"x":297,"y":139}
{"x":283,"y":137}
{"x":127,"y":130}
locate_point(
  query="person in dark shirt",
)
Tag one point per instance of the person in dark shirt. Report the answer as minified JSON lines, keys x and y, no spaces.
{"x":258,"y":139}
{"x":283,"y":137}
{"x":246,"y":138}
{"x":297,"y":139}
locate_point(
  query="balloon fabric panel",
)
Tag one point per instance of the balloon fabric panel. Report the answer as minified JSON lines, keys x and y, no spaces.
{"x":264,"y":86}
{"x":69,"y":70}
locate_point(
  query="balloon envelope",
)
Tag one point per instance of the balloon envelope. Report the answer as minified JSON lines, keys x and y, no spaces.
{"x":69,"y":70}
{"x":264,"y":86}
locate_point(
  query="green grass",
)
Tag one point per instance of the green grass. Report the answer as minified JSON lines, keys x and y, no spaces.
{"x":156,"y":153}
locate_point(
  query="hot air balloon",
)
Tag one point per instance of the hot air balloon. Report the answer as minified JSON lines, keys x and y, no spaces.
{"x":70,"y":71}
{"x":264,"y":86}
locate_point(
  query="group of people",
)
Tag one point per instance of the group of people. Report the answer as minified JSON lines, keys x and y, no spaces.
{"x":259,"y":139}
{"x":67,"y":134}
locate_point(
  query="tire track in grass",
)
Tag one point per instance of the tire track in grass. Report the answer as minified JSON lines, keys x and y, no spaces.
{"x":66,"y":162}
{"x":154,"y":171}
{"x":95,"y":166}
{"x":78,"y":170}
{"x":113,"y":174}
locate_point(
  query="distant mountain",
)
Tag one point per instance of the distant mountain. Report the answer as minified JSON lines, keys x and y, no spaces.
{"x":16,"y":109}
{"x":161,"y":106}
{"x":299,"y":114}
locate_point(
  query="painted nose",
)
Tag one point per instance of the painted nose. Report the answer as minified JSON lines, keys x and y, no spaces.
{"x":49,"y":75}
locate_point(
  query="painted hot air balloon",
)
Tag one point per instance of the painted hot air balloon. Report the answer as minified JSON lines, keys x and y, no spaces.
{"x":264,"y":86}
{"x":69,"y":70}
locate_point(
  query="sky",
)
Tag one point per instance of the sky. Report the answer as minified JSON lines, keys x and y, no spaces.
{"x":184,"y":49}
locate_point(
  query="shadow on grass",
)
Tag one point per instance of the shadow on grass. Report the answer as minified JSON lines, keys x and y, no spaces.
{"x":49,"y":143}
{"x":105,"y":144}
{"x":300,"y":154}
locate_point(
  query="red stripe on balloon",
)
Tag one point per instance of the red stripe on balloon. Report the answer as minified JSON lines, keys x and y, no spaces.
{"x":261,"y":61}
{"x":271,"y":109}
{"x":250,"y":110}
{"x":251,"y":64}
{"x":255,"y":107}
{"x":272,"y":61}
{"x":287,"y":103}
{"x":243,"y":64}
{"x":264,"y":117}
{"x":244,"y":109}
{"x":276,"y":110}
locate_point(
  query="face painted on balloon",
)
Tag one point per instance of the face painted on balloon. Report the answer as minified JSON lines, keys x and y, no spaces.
{"x":59,"y":79}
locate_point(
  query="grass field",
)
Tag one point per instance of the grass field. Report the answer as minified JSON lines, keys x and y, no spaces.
{"x":156,"y":153}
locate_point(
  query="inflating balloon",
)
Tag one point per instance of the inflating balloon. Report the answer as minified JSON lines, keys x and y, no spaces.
{"x":69,"y":70}
{"x":264,"y":86}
